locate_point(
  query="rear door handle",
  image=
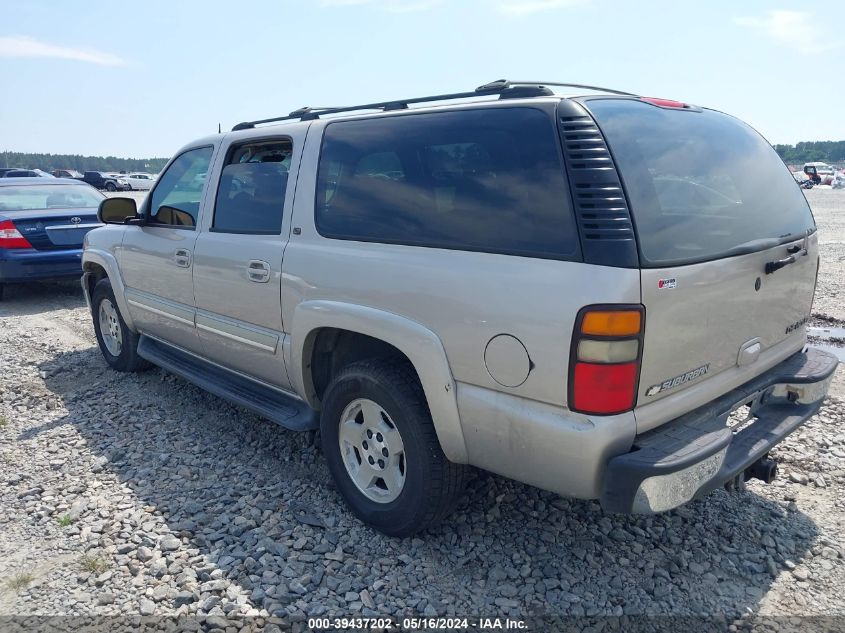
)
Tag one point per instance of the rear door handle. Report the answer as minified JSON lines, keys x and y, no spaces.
{"x":258,"y":271}
{"x":182,"y":257}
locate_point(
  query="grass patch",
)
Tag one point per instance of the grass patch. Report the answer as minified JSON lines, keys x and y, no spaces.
{"x":20,"y":581}
{"x":93,"y":564}
{"x":65,"y":521}
{"x":4,"y":421}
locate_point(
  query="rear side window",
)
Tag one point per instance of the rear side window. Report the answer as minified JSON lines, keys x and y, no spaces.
{"x":251,"y":194}
{"x":701,"y":184}
{"x":482,"y":180}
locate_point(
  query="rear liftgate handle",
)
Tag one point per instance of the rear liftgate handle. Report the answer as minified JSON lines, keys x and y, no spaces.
{"x":795,"y":252}
{"x":258,"y":271}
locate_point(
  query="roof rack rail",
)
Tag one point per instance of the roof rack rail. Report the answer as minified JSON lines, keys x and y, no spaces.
{"x":503,"y":87}
{"x":568,"y":85}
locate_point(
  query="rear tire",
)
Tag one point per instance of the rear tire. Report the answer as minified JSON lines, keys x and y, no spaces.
{"x":375,"y":412}
{"x":118,"y":344}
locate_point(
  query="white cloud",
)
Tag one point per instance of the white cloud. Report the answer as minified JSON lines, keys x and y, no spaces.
{"x":526,"y":7}
{"x":23,"y":46}
{"x":393,"y":6}
{"x":797,"y":29}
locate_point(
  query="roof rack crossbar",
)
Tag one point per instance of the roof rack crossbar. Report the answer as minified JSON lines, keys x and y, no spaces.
{"x":495,"y":87}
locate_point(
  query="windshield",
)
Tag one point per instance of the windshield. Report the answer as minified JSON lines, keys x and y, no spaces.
{"x":701,"y":184}
{"x":33,"y":197}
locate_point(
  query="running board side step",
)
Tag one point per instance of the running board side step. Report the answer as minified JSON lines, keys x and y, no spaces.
{"x":274,"y":405}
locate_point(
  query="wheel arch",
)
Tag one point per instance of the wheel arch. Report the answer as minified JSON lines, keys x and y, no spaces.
{"x":423,"y":349}
{"x":96,"y":265}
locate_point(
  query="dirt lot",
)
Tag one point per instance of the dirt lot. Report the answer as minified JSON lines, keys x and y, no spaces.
{"x":143,"y":495}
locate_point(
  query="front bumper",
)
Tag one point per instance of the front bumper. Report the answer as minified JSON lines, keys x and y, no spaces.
{"x":29,"y":264}
{"x":692,"y":455}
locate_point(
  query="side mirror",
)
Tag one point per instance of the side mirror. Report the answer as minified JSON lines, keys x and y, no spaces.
{"x":173,"y":216}
{"x":117,"y":210}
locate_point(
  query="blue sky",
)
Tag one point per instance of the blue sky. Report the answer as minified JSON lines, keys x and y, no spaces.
{"x":141,"y":79}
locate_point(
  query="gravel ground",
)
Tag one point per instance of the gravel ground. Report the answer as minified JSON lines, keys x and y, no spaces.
{"x":143,"y":495}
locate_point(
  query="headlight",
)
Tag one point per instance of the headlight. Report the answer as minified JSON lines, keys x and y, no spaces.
{"x":121,"y":181}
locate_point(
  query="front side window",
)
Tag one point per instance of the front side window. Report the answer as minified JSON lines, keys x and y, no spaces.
{"x":176,"y":199}
{"x":251,"y":194}
{"x":486,"y":180}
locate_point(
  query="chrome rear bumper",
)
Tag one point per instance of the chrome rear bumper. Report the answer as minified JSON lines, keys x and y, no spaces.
{"x":698,"y":452}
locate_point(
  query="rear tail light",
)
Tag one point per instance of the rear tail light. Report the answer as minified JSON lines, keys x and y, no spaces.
{"x":10,"y":237}
{"x":605,"y":364}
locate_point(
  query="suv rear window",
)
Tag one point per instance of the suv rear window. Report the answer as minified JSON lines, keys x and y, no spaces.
{"x":701,"y":184}
{"x":482,"y":180}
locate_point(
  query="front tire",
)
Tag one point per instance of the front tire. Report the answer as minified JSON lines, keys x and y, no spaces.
{"x":382,"y":449}
{"x":118,"y":344}
{"x":110,"y":186}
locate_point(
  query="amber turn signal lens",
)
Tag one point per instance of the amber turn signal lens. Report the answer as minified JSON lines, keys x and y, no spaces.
{"x":612,"y":323}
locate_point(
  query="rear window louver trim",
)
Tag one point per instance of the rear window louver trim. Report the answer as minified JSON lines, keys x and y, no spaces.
{"x":601,"y":209}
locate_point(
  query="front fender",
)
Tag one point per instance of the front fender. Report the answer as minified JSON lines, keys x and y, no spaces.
{"x":422,"y":347}
{"x":107,"y":261}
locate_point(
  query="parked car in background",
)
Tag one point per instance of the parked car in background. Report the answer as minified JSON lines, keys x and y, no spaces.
{"x":42,"y":224}
{"x":67,"y":173}
{"x":470,"y":283}
{"x":821,"y":173}
{"x":27,"y":173}
{"x":803,"y":180}
{"x":140,"y":181}
{"x":102,"y":180}
{"x":838,"y":180}
{"x":6,"y":170}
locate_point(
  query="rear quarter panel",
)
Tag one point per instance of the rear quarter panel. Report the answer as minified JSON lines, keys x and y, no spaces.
{"x":465,"y":298}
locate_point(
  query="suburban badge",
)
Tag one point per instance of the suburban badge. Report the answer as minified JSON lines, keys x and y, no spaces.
{"x":677,"y":380}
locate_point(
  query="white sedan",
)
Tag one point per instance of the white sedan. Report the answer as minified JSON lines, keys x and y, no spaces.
{"x":140,"y":181}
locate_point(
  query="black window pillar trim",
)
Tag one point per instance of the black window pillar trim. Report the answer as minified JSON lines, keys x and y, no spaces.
{"x":602,"y":212}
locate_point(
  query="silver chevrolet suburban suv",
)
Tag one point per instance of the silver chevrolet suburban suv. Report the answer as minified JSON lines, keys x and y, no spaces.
{"x":604,"y":295}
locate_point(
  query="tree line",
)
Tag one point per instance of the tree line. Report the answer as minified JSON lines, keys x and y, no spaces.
{"x":810,"y":151}
{"x":48,"y":162}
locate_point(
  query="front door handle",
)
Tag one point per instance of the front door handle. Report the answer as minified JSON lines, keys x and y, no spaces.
{"x":258,"y":271}
{"x":182,"y":257}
